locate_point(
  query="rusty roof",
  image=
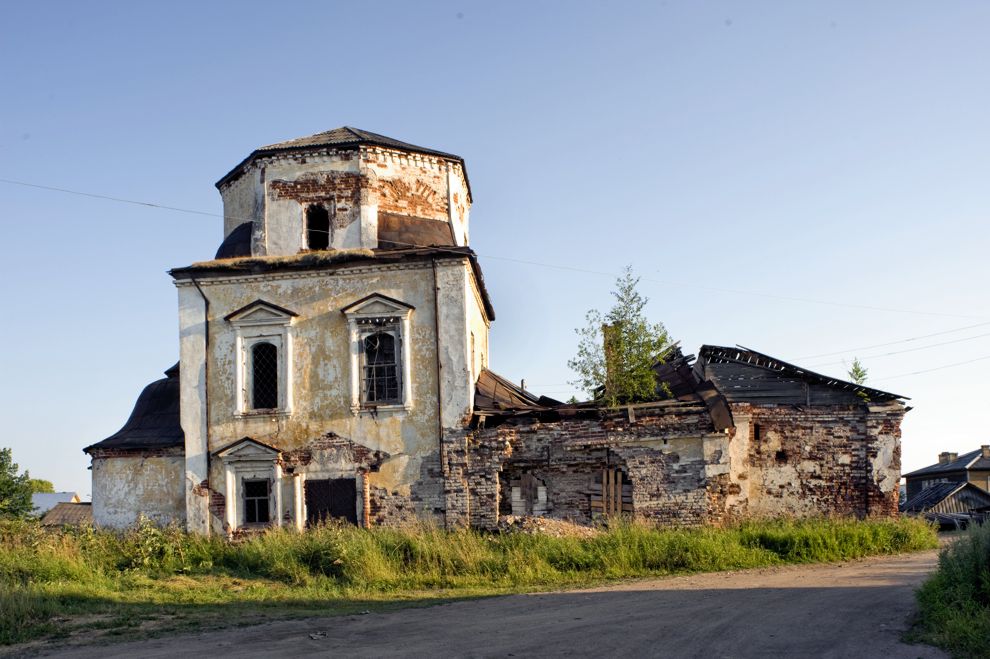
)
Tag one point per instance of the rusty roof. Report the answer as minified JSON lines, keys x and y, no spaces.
{"x":69,"y":514}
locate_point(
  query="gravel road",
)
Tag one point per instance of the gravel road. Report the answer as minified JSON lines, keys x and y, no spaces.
{"x":855,"y":609}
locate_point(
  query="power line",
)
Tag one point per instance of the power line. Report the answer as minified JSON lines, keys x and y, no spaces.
{"x":937,"y":368}
{"x":890,"y":343}
{"x":109,"y":198}
{"x":523,"y":261}
{"x":900,"y":352}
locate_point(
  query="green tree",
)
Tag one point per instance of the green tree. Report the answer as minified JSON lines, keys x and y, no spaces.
{"x":618,"y":350}
{"x":15,"y":490}
{"x":39,"y":485}
{"x":857,"y":373}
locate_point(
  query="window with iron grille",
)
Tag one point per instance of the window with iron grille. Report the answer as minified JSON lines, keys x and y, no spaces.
{"x":264,"y":376}
{"x":256,"y":496}
{"x":381,"y":369}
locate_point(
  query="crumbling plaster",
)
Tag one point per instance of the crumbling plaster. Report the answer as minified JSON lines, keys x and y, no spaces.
{"x":129,"y":484}
{"x":356,"y":185}
{"x":320,"y":372}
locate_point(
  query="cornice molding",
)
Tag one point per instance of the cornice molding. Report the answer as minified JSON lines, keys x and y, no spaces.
{"x":338,"y":271}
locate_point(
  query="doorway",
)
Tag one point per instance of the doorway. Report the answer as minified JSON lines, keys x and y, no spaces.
{"x":333,"y":498}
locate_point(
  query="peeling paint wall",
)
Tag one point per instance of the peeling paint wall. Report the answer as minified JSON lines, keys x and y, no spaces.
{"x":129,"y":484}
{"x":320,"y":374}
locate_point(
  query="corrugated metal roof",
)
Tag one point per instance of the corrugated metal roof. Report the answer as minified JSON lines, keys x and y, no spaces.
{"x":930,"y":497}
{"x":154,"y":422}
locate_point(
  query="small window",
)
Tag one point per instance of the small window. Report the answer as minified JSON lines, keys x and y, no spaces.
{"x":317,"y":227}
{"x":264,"y":372}
{"x":381,"y":369}
{"x":256,"y":502}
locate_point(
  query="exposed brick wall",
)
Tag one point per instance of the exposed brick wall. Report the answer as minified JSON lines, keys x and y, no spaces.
{"x":567,"y":455}
{"x":342,"y":188}
{"x":835,"y":460}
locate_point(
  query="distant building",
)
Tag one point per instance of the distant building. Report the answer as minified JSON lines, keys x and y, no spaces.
{"x":45,"y":501}
{"x":69,"y":514}
{"x":972,"y":467}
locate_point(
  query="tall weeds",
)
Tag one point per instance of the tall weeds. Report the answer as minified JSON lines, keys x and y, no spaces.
{"x":44,"y":574}
{"x":954,"y":603}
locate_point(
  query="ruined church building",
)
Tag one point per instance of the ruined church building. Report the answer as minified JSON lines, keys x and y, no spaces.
{"x":333,"y":364}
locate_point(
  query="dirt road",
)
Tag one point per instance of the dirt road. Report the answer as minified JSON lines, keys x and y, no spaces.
{"x":856,"y":609}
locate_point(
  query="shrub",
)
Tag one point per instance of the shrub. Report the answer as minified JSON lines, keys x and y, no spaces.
{"x":954,"y":603}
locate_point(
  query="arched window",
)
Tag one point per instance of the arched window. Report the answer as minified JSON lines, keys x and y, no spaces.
{"x":264,"y":376}
{"x":381,"y":369}
{"x":317,"y":227}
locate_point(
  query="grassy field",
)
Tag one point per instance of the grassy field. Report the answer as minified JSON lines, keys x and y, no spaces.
{"x":56,"y":584}
{"x":954,"y":603}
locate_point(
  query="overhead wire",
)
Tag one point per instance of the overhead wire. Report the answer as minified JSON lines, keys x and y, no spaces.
{"x":901,"y":352}
{"x":522,"y":261}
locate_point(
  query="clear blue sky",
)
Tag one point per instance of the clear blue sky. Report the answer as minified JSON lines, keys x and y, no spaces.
{"x":828,"y":151}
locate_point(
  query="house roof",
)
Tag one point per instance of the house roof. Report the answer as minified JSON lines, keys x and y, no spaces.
{"x":971,"y":460}
{"x":930,"y":497}
{"x":345,"y":137}
{"x":69,"y":514}
{"x":746,"y":383}
{"x":154,"y":422}
{"x":45,"y":501}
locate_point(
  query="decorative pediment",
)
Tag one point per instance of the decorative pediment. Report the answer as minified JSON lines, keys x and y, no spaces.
{"x":377,"y":304}
{"x":247,"y":449}
{"x":260,"y":312}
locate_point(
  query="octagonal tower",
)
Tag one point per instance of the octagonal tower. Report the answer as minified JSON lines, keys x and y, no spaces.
{"x":343,"y":189}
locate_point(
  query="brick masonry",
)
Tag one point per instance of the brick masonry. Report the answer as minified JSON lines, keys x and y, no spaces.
{"x":777,"y":461}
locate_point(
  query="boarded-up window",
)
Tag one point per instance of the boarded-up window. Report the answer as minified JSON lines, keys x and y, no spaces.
{"x":529,"y":496}
{"x":331,"y":499}
{"x":611,"y":493}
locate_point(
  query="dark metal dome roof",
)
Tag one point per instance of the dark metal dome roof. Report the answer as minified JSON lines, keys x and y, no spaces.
{"x":154,"y":423}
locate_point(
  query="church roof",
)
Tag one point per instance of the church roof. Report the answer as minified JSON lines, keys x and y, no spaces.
{"x":344,"y":137}
{"x":154,"y":422}
{"x":237,"y":244}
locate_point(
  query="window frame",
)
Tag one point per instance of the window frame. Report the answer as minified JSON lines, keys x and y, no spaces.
{"x":368,"y":316}
{"x":328,"y":209}
{"x":245,"y":502}
{"x":262,"y":322}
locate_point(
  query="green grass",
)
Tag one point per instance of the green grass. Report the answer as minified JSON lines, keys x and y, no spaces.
{"x":954,"y":604}
{"x":61,"y":583}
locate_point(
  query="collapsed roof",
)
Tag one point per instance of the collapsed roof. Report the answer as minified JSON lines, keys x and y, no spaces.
{"x":721,"y":375}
